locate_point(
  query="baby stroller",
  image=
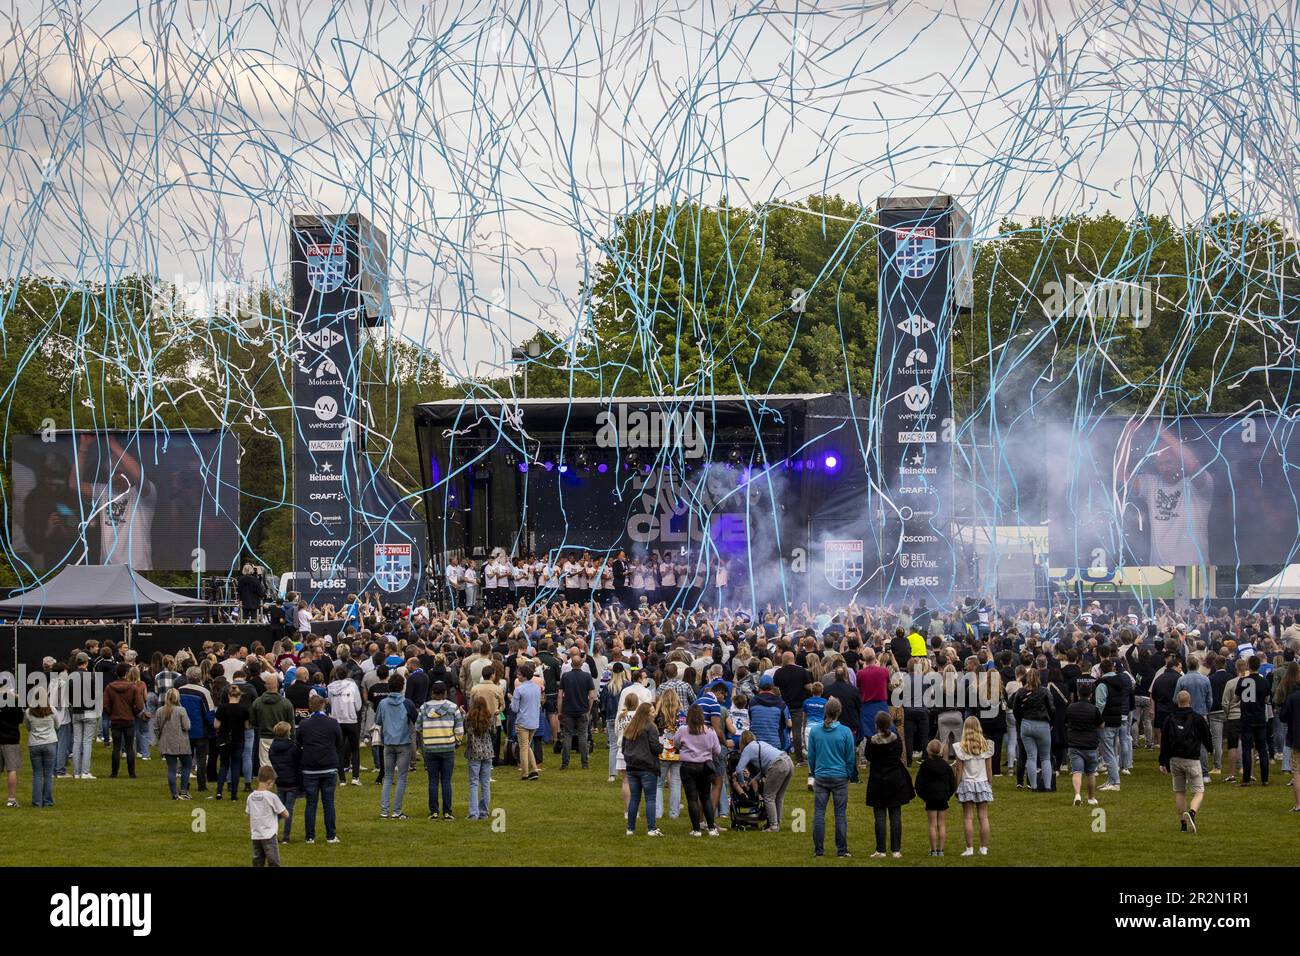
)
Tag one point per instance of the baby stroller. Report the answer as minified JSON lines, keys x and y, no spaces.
{"x":747,"y":811}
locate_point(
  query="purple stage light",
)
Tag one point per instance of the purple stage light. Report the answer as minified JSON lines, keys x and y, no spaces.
{"x":548,"y":465}
{"x":564,"y":469}
{"x":523,"y":466}
{"x":831,"y":462}
{"x":602,"y":468}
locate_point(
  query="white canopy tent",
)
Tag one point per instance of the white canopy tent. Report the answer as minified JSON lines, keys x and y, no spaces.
{"x":1283,"y":585}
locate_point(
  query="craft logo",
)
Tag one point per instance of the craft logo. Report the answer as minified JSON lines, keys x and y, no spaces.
{"x":916,"y":398}
{"x":654,"y":429}
{"x":915,"y":325}
{"x":914,"y":253}
{"x":392,"y":566}
{"x":76,"y":909}
{"x":842,"y":563}
{"x":326,"y":265}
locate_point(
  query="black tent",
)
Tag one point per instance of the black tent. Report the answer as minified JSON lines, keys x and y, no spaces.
{"x":97,"y":591}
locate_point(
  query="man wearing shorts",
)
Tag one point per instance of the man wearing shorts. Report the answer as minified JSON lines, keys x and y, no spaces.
{"x":1181,"y":738}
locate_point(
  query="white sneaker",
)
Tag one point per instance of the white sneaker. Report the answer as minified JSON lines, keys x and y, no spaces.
{"x":1078,"y":800}
{"x":611,"y":779}
{"x":334,"y":840}
{"x":897,"y":856}
{"x":356,"y":783}
{"x":631,"y":833}
{"x":695,"y":833}
{"x":984,"y":851}
{"x":1127,"y":773}
{"x":655,"y":833}
{"x":1092,"y":801}
{"x":1108,"y":787}
{"x":88,"y":776}
{"x":969,"y":851}
{"x":715,"y":832}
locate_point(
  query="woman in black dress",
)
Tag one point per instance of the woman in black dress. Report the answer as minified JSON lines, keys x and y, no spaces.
{"x":889,"y":786}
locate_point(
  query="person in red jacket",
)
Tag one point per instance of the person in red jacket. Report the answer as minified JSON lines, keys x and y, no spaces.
{"x":123,"y":702}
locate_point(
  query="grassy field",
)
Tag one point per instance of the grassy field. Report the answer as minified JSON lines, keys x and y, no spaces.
{"x":574,"y":818}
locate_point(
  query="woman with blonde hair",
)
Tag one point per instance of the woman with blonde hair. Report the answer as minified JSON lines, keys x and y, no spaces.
{"x":669,"y":715}
{"x":609,"y":699}
{"x":621,"y":723}
{"x":171,"y":727}
{"x":974,"y":791}
{"x":949,"y":721}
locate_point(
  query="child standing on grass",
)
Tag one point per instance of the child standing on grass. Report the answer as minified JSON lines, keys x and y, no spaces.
{"x":264,"y":809}
{"x":814,"y":711}
{"x":974,"y":791}
{"x":935,"y":784}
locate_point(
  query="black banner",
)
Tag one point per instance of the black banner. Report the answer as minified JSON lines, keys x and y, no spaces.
{"x":325,"y":255}
{"x":913,"y":450}
{"x":36,"y":642}
{"x":170,"y":638}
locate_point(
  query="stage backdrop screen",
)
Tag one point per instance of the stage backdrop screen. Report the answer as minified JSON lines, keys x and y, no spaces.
{"x":1187,"y":491}
{"x":151,"y":500}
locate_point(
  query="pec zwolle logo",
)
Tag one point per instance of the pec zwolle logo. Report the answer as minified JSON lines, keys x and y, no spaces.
{"x":326,"y":265}
{"x":392,"y":566}
{"x":843,"y":563}
{"x":914,"y":252}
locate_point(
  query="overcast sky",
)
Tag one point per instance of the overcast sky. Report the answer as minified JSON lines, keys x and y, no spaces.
{"x":496,"y":146}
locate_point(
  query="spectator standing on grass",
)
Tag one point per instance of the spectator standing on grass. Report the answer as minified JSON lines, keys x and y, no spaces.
{"x":395,"y":716}
{"x":936,"y":784}
{"x":84,"y":703}
{"x":641,"y":748}
{"x":1253,"y":695}
{"x":286,"y":760}
{"x":974,"y":791}
{"x":171,"y":728}
{"x":320,"y":740}
{"x":700,"y":748}
{"x":1182,"y":736}
{"x":441,"y":729}
{"x":831,"y":761}
{"x":480,"y":751}
{"x":345,"y":707}
{"x":1083,"y":723}
{"x":576,"y":695}
{"x":197,"y":702}
{"x":269,"y":709}
{"x":230,"y":722}
{"x":11,"y":755}
{"x":42,"y":745}
{"x":123,"y":702}
{"x":888,"y":787}
{"x":1289,"y":715}
{"x":526,"y":705}
{"x":264,"y":811}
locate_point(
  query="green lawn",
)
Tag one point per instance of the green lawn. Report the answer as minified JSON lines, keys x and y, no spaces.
{"x":574,"y":818}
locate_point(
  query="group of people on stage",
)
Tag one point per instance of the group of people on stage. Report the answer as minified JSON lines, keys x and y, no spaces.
{"x":579,"y":577}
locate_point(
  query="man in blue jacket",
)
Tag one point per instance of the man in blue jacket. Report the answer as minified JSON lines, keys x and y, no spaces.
{"x":320,"y":739}
{"x":198,"y":705}
{"x":769,"y":717}
{"x":395,"y":716}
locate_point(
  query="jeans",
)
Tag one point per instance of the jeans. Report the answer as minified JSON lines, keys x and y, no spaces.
{"x":835,"y":789}
{"x":1013,"y":743}
{"x":319,"y":786}
{"x":1037,"y":735}
{"x":1215,"y":721}
{"x":42,"y":757}
{"x":480,"y":789}
{"x":1144,"y":720}
{"x":439,"y":766}
{"x":397,"y":765}
{"x":231,"y":758}
{"x":797,"y":721}
{"x":124,"y":741}
{"x":63,"y":750}
{"x":1254,"y":738}
{"x":775,"y":782}
{"x":698,"y":781}
{"x":613,"y":748}
{"x":641,"y":783}
{"x":571,"y":725}
{"x":1110,"y":748}
{"x":1125,"y":745}
{"x":143,"y":736}
{"x":289,"y":798}
{"x":83,"y":736}
{"x":183,"y":761}
{"x":250,"y":744}
{"x":670,"y":775}
{"x":895,"y":817}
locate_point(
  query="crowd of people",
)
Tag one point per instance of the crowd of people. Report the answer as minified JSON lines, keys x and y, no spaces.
{"x":712,"y":711}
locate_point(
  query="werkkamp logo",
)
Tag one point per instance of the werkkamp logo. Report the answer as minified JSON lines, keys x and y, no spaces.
{"x":326,"y":408}
{"x":917,"y":398}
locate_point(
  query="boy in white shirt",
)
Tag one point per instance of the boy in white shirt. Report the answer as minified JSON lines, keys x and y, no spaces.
{"x":264,"y":811}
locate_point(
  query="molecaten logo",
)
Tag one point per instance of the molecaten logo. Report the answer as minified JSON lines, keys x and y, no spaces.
{"x":76,"y":909}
